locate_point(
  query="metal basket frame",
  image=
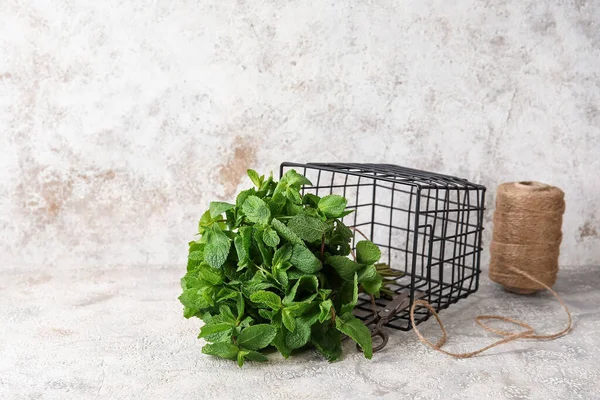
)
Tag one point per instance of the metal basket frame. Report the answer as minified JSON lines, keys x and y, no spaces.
{"x":427,"y":225}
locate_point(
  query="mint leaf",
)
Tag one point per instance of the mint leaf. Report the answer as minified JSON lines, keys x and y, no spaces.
{"x":325,"y":310}
{"x":197,"y":255}
{"x":307,"y":284}
{"x":295,"y":179}
{"x":240,"y":358}
{"x":311,"y":199}
{"x":367,"y":273}
{"x":255,"y":356}
{"x":303,"y":259}
{"x":345,"y":267}
{"x":283,"y":254}
{"x":223,"y":350}
{"x":300,"y":336}
{"x":217,"y":208}
{"x":242,"y":242}
{"x":205,"y":221}
{"x":266,"y":298}
{"x":254,"y":177}
{"x":265,"y":251}
{"x":210,"y":329}
{"x":287,"y":275}
{"x":226,"y":315}
{"x":308,"y":228}
{"x":256,"y":210}
{"x":353,"y":327}
{"x":270,"y":237}
{"x":285,"y":232}
{"x":333,"y":206}
{"x":370,"y":279}
{"x":327,"y":341}
{"x":288,"y":320}
{"x":240,"y":305}
{"x":279,"y":343}
{"x":241,"y":198}
{"x":217,"y":246}
{"x":367,"y":252}
{"x":349,"y":295}
{"x":373,"y":286}
{"x":210,"y":275}
{"x":257,"y":336}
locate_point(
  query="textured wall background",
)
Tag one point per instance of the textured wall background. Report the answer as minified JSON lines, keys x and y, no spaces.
{"x":121,"y":120}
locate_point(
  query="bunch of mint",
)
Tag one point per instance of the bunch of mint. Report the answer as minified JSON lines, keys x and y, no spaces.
{"x":273,"y":270}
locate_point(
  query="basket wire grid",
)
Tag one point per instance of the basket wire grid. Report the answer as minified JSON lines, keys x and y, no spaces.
{"x":427,"y":225}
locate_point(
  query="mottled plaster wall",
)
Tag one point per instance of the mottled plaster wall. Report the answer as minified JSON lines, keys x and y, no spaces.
{"x":121,"y":120}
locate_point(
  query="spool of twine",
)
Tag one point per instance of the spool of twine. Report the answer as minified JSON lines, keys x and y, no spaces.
{"x":524,"y":257}
{"x":527,"y":235}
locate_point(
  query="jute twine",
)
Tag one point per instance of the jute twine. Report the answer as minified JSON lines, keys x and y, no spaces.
{"x":524,"y":257}
{"x":527,"y":235}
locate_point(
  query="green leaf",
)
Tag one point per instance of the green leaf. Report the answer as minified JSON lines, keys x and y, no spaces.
{"x":285,"y":232}
{"x":367,"y":252}
{"x":256,"y":336}
{"x":345,"y":267}
{"x":282,"y":277}
{"x":256,"y":356}
{"x":210,"y":329}
{"x":256,"y":210}
{"x":270,"y":237}
{"x":265,"y":251}
{"x":367,"y":273}
{"x":241,"y":198}
{"x":306,"y":284}
{"x":217,"y":246}
{"x":353,"y":327}
{"x":349,"y":295}
{"x":205,"y":221}
{"x":226,"y":315}
{"x":239,"y":304}
{"x":327,"y":341}
{"x":197,"y":252}
{"x":295,"y":179}
{"x":266,"y":298}
{"x":217,"y":208}
{"x":311,"y":199}
{"x":254,"y":177}
{"x":373,"y":286}
{"x":242,"y":242}
{"x":294,"y":195}
{"x":288,"y":320}
{"x":303,"y":259}
{"x":283,"y":254}
{"x":300,"y":336}
{"x":193,"y":302}
{"x":279,"y":343}
{"x":210,"y":275}
{"x":223,"y":350}
{"x":333,"y":205}
{"x":240,"y":358}
{"x":308,"y":228}
{"x":325,"y":310}
{"x":250,"y":287}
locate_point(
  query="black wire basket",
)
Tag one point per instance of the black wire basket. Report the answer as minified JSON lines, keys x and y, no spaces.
{"x":427,"y":225}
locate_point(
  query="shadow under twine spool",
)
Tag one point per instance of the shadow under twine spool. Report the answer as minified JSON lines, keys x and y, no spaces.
{"x":527,"y":235}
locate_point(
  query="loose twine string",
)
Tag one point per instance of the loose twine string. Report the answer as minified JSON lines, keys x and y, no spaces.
{"x":528,"y":218}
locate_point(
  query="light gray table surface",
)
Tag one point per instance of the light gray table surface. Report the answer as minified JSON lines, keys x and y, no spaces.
{"x":118,"y":333}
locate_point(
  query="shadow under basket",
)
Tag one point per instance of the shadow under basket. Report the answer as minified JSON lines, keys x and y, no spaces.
{"x":427,"y":225}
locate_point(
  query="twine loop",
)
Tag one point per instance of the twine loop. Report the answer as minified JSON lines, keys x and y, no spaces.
{"x":524,"y":257}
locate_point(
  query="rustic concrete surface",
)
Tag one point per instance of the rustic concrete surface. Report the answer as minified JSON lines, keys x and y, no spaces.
{"x":117,"y":333}
{"x":121,"y":120}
